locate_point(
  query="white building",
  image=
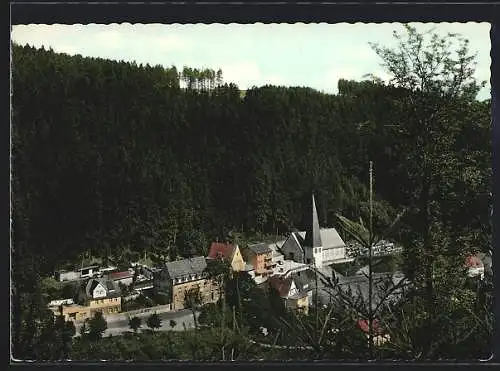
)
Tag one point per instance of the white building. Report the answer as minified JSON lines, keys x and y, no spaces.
{"x":317,"y":246}
{"x":475,"y":266}
{"x":258,"y":279}
{"x":88,"y":272}
{"x":64,"y":276}
{"x":57,"y":303}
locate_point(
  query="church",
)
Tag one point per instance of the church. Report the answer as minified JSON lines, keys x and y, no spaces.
{"x":318,"y":247}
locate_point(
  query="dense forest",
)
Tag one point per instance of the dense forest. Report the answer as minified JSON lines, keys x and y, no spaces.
{"x":110,"y":155}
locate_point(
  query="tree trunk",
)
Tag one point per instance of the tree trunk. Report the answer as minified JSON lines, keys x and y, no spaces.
{"x":428,"y":260}
{"x":195,"y":320}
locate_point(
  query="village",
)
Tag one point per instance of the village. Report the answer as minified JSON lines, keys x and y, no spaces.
{"x":289,"y":266}
{"x":234,"y":192}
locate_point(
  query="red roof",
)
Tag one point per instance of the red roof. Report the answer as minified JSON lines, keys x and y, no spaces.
{"x":364,"y":325}
{"x":282,"y":285}
{"x":223,"y":250}
{"x":120,"y":275}
{"x":473,"y":262}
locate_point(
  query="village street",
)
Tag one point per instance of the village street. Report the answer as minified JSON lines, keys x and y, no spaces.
{"x":119,"y":324}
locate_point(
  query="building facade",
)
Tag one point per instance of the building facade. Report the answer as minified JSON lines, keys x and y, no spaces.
{"x":177,"y":278}
{"x":293,"y":296}
{"x":103,"y":296}
{"x":260,"y":256}
{"x":71,"y":312}
{"x":229,"y":253}
{"x":96,"y":295}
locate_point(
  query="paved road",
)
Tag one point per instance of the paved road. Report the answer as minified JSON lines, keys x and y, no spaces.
{"x":119,"y":325}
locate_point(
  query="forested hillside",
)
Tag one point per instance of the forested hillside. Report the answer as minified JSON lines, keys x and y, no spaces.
{"x":110,"y":154}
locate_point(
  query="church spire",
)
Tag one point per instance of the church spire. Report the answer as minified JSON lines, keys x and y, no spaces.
{"x":313,"y":236}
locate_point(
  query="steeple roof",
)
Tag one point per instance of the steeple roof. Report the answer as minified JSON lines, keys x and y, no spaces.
{"x":313,"y":236}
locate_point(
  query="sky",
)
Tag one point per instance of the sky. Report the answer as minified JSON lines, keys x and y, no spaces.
{"x":312,"y":55}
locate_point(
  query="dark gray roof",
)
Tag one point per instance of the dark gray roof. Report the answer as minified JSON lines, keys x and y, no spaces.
{"x":110,"y":286}
{"x":356,"y":285}
{"x":186,"y":267}
{"x":304,"y":280}
{"x":143,"y":283}
{"x":89,"y":267}
{"x":91,"y":285}
{"x":313,"y":236}
{"x":299,"y":237}
{"x":260,"y":248}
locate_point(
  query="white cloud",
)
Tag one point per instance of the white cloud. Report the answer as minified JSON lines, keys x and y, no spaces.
{"x":171,"y":42}
{"x":336,"y":73}
{"x":110,"y":40}
{"x":314,"y":55}
{"x":68,"y":49}
{"x":276,"y":80}
{"x":247,"y":74}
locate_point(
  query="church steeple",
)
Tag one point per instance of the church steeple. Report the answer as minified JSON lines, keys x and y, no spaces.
{"x":313,"y":236}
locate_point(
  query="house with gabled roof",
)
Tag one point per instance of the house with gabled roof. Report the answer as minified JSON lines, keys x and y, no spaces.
{"x":95,"y":295}
{"x":102,"y":295}
{"x":177,"y":278}
{"x":229,"y":253}
{"x":294,"y":297}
